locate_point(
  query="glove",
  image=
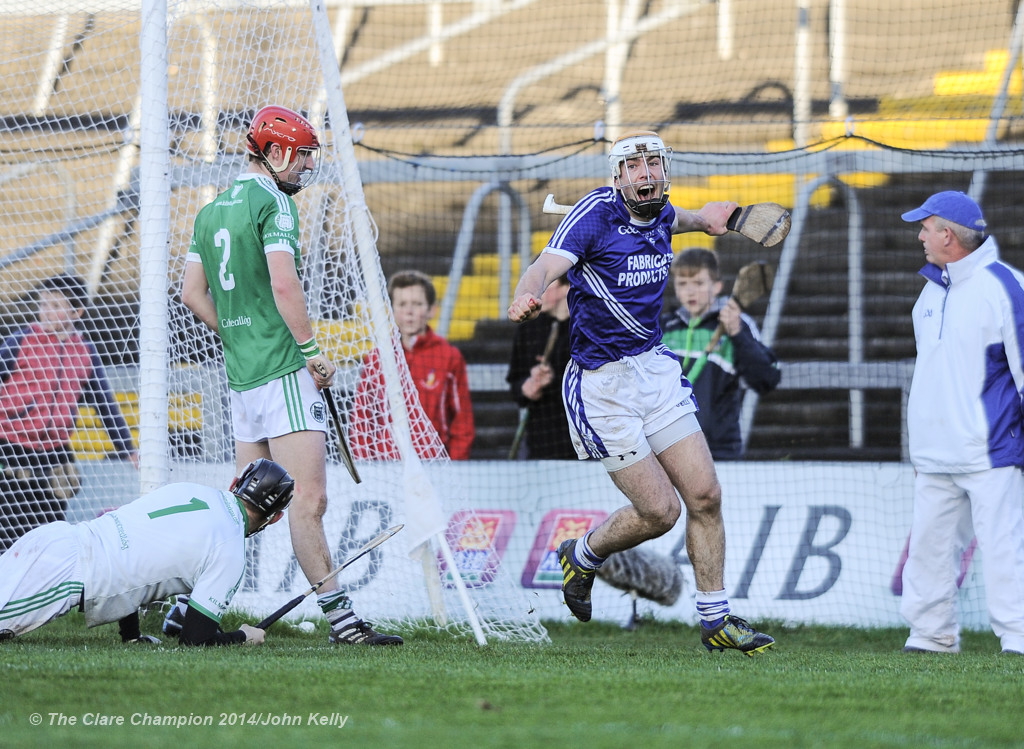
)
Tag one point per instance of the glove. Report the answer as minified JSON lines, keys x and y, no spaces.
{"x":175,"y":618}
{"x":322,"y":370}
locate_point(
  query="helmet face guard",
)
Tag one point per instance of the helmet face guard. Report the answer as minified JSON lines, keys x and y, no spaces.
{"x":266,"y":486}
{"x":639,"y":164}
{"x":299,"y":164}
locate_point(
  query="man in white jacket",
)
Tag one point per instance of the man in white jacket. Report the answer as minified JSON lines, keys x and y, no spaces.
{"x":965,"y":422}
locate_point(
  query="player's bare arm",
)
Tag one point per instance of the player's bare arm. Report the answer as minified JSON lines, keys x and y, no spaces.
{"x":291,"y":303}
{"x":195,"y":294}
{"x":711,"y":219}
{"x":542,"y":271}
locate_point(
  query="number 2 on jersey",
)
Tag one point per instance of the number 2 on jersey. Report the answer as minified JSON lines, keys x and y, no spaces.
{"x":222,"y":240}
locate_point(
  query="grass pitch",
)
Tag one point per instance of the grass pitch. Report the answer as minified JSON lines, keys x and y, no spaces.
{"x":594,"y":686}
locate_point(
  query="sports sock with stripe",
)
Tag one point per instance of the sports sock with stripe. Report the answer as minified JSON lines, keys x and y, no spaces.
{"x":337,"y":607}
{"x":712,"y":607}
{"x":584,"y":556}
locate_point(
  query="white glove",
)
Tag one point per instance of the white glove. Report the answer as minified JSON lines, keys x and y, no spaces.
{"x":253,"y":635}
{"x":146,"y":640}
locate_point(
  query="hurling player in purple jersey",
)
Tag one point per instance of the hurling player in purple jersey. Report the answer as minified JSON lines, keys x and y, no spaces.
{"x":627,"y":401}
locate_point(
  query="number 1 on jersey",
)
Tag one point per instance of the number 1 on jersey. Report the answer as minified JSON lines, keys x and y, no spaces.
{"x":193,"y":505}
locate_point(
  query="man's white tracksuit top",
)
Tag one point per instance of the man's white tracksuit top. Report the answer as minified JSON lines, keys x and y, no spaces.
{"x":964,"y":413}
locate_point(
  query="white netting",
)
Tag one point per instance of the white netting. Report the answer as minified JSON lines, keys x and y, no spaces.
{"x":226,"y":61}
{"x":263,"y":53}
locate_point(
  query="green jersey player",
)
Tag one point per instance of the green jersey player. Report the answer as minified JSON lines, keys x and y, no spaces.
{"x":242,"y":280}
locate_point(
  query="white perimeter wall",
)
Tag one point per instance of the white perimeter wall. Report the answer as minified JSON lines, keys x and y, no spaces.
{"x":806,"y":542}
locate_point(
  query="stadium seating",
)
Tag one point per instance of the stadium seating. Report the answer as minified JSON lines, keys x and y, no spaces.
{"x":934,"y":103}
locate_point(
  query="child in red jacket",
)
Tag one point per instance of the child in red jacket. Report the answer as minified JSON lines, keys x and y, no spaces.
{"x":438,"y":371}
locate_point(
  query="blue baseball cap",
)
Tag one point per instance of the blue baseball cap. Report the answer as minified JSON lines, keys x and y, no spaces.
{"x":951,"y":205}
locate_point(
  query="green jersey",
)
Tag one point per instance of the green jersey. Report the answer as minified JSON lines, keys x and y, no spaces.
{"x":232,"y":237}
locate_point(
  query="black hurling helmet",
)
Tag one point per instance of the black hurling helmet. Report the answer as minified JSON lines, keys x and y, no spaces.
{"x":266,"y":486}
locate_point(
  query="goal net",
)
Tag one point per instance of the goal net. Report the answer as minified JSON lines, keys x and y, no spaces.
{"x":224,"y":61}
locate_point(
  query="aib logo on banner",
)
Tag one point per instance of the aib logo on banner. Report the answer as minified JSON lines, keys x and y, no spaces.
{"x":478,"y":539}
{"x":542,"y":569}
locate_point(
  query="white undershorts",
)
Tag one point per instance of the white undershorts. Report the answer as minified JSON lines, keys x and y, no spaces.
{"x":622,"y":411}
{"x":291,"y":403}
{"x":40,"y":578}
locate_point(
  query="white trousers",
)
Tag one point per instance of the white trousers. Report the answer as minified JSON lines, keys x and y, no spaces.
{"x":948,"y":510}
{"x":40,"y":578}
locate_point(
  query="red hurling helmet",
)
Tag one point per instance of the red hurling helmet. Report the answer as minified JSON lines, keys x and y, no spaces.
{"x":298,"y":141}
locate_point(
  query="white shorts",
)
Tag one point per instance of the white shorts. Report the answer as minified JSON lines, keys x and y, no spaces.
{"x":615,"y":410}
{"x":40,"y":578}
{"x":288,"y":404}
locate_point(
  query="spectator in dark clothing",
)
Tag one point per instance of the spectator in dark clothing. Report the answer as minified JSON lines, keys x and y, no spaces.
{"x":719,"y":367}
{"x":535,"y":381}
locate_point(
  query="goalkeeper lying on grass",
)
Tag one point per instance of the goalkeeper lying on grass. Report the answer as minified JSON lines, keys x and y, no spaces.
{"x":110,"y":566}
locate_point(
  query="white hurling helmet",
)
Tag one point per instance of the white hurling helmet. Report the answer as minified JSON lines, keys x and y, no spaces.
{"x":650,"y":199}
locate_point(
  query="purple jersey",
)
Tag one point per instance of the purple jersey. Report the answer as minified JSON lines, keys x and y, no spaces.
{"x":618,"y":278}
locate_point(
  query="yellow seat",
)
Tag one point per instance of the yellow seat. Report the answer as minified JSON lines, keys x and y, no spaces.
{"x":343,"y":340}
{"x":985,"y":82}
{"x":913,"y":133}
{"x":90,"y":441}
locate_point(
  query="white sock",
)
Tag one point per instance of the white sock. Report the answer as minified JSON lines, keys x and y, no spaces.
{"x":712,"y":606}
{"x":584,"y":556}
